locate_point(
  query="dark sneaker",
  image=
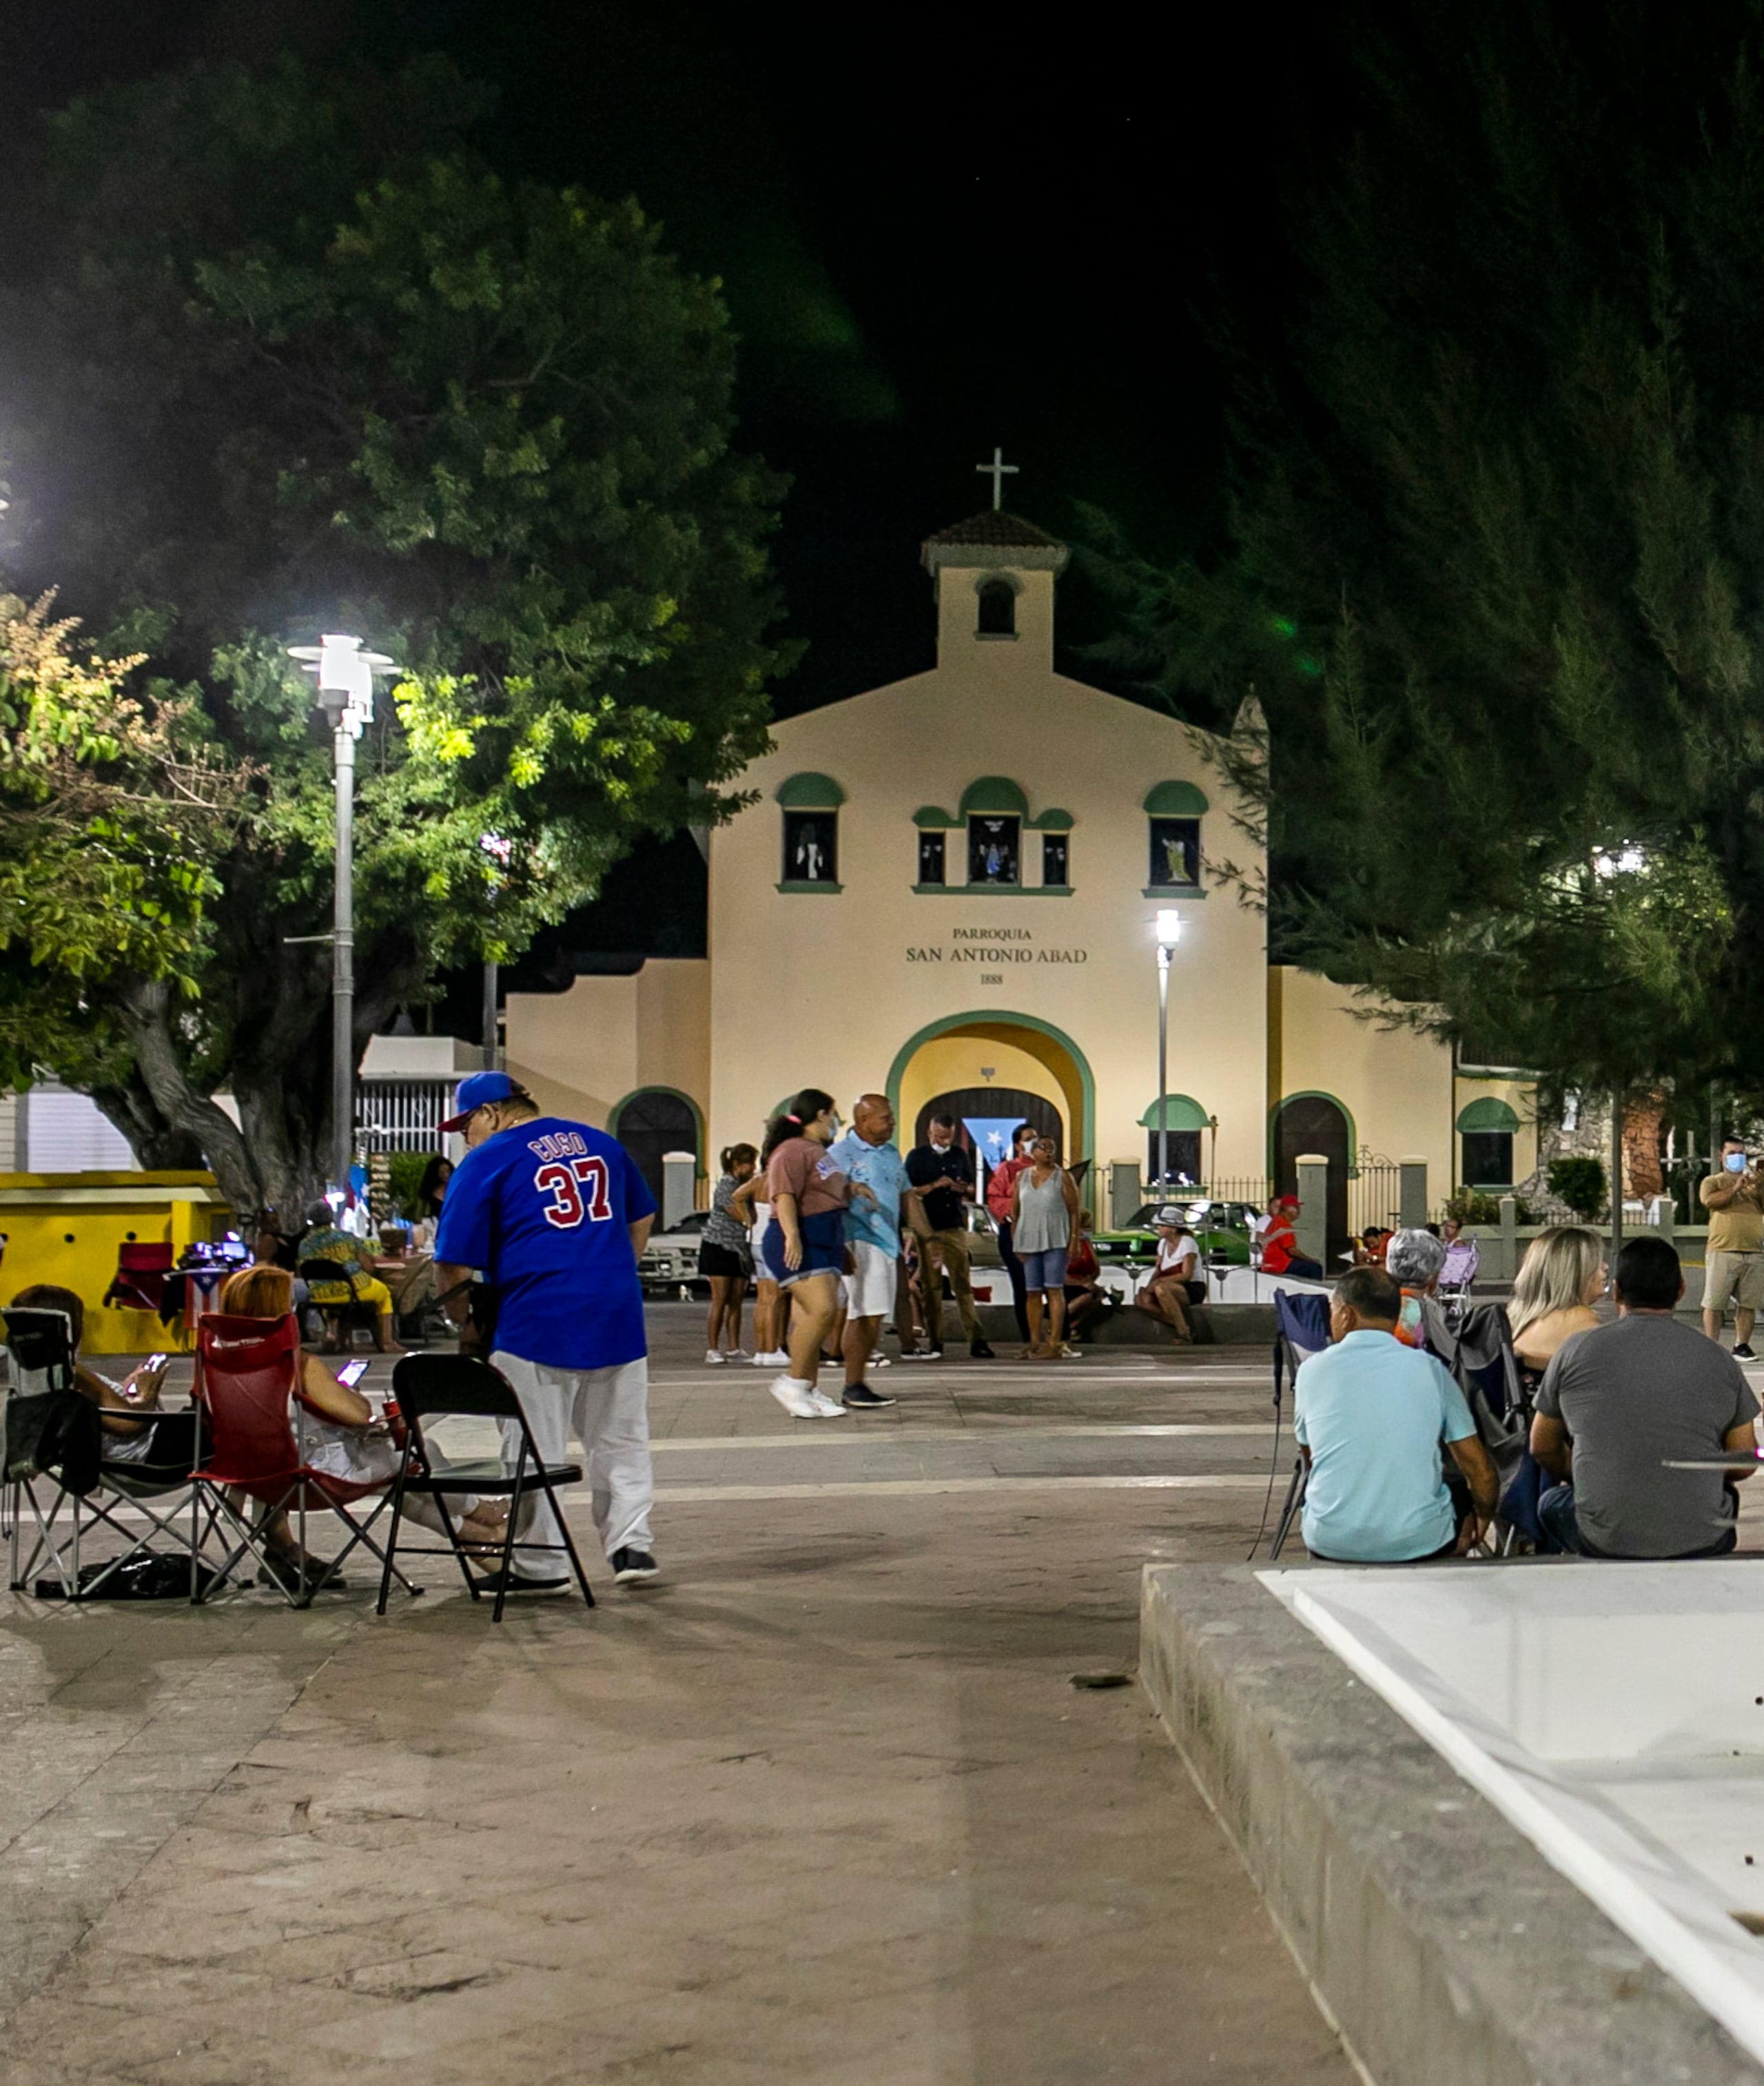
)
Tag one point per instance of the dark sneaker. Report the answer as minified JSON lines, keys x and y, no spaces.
{"x":629,"y":1565}
{"x":517,"y":1583}
{"x":921,"y":1354}
{"x":860,"y":1397}
{"x":314,"y":1575}
{"x":1743,"y":1352}
{"x":980,"y":1352}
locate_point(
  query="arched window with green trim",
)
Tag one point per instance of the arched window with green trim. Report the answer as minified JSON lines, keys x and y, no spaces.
{"x":1173,"y":814}
{"x":1182,"y":1120}
{"x":1486,"y":1127}
{"x":810,"y":804}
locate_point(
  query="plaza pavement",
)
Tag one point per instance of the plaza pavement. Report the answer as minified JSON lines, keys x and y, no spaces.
{"x":820,"y":1809}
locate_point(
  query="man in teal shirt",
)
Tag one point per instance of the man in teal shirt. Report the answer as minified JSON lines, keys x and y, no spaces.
{"x":865,"y":1155}
{"x":1370,"y":1415}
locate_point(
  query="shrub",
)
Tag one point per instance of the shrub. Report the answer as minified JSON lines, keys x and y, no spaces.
{"x":1580,"y":1183}
{"x":404,"y":1173}
{"x":1475,"y":1206}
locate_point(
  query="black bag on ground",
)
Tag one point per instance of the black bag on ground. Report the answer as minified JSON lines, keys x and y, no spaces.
{"x":147,"y":1576}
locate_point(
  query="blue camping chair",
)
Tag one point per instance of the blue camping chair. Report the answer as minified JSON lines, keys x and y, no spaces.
{"x":1477,"y":1347}
{"x":1301,"y":1329}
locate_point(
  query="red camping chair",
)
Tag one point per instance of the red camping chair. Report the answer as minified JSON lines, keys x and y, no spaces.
{"x":247,"y":1372}
{"x":138,"y":1283}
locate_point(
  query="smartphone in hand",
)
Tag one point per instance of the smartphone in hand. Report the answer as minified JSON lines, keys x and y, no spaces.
{"x":352,"y":1373}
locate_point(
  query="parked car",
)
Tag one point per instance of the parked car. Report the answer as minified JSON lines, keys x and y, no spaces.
{"x":671,"y":1258}
{"x":1218,"y":1228}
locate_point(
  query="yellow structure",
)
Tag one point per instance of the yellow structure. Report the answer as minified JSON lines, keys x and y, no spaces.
{"x":947,"y":888}
{"x":65,"y":1229}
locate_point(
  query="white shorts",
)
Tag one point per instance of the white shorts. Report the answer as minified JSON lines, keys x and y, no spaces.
{"x":869,"y":1293}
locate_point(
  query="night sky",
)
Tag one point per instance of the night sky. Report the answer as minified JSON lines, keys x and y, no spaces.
{"x":939,"y":228}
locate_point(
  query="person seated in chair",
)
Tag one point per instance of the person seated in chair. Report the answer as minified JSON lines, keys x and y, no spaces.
{"x":1086,"y":1300}
{"x":1280,"y":1243}
{"x":126,"y":1410}
{"x":1175,"y":1285}
{"x":1370,"y":1415}
{"x":1620,"y":1402}
{"x":1414,"y":1259}
{"x":326,"y":1240}
{"x":331,"y":1424}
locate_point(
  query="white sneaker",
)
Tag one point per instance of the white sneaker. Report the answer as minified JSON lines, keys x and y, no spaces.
{"x":796,"y":1396}
{"x":773,"y":1358}
{"x":715,"y":1356}
{"x":879,"y":1361}
{"x":737,"y":1355}
{"x":825,"y":1407}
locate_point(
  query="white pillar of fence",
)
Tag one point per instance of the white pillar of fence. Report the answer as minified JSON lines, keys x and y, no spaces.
{"x":679,"y":1173}
{"x":1312,"y":1228}
{"x":1413,"y":1195}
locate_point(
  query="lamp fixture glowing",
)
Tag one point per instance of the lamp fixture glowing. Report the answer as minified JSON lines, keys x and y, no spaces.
{"x":1169,"y":927}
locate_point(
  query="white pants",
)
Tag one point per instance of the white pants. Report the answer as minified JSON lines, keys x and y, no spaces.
{"x":607,"y":1410}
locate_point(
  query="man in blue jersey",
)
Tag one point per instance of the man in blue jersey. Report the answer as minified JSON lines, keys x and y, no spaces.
{"x":555,"y":1215}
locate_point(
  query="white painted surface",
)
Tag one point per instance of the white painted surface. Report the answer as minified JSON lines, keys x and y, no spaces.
{"x":1614,"y":1713}
{"x":65,"y":1133}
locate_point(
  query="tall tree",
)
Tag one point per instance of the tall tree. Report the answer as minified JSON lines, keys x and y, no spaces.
{"x":1496,"y":566}
{"x":281,"y":355}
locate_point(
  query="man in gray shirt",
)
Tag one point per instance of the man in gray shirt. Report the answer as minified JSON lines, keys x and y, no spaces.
{"x":1620,"y":1402}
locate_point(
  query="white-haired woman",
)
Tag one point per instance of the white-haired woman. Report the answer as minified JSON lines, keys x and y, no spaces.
{"x":1560,"y":1280}
{"x":1415,"y":1258}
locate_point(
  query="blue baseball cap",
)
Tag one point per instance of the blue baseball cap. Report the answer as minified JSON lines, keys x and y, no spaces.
{"x":478,"y":1092}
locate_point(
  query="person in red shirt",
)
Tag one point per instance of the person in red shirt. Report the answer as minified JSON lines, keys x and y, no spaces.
{"x":1280,"y":1254}
{"x":1001,"y":1188}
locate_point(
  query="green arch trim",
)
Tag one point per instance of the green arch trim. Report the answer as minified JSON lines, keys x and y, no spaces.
{"x":928,"y":816}
{"x":810,"y":792}
{"x":1317,"y":1094}
{"x":993,"y":793}
{"x":1174,"y":800}
{"x":995,"y":1017}
{"x":1487,"y":1113}
{"x":637,"y":1093}
{"x":1181,"y":1112}
{"x":1054,"y":821}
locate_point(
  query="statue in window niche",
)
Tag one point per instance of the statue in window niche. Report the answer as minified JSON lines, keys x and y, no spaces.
{"x":810,"y":863}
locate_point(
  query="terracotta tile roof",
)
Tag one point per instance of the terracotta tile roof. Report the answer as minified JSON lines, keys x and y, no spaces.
{"x":995,"y":529}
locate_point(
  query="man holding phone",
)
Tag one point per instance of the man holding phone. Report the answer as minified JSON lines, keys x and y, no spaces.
{"x":1733,"y":1261}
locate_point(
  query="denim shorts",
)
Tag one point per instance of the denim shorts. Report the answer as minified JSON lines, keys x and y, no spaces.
{"x":824,"y":1248}
{"x":1045,"y":1271}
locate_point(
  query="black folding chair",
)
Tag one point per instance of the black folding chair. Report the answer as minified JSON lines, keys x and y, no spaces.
{"x":340,"y":1319}
{"x":1301,"y":1329}
{"x":438,"y":1386}
{"x":54,"y":1436}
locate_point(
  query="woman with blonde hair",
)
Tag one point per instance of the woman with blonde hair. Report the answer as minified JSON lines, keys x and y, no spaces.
{"x":331,"y":1422}
{"x":1560,"y":1280}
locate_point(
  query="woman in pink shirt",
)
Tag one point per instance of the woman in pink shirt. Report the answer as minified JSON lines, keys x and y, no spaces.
{"x":803,"y":1247}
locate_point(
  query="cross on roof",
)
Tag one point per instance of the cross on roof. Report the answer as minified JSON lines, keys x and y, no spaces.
{"x":998,"y":471}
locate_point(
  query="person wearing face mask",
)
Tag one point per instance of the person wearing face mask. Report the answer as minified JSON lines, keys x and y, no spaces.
{"x":804,"y":1246}
{"x":1001,"y":1192}
{"x":1733,"y":1262}
{"x":943,"y":1173}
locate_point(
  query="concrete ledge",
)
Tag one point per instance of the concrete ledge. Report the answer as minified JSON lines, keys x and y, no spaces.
{"x":1444,"y":1946}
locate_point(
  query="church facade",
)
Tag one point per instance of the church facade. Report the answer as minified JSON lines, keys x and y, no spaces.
{"x":947,"y":889}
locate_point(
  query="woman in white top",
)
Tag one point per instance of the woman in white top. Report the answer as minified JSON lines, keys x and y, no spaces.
{"x":1173,"y":1285}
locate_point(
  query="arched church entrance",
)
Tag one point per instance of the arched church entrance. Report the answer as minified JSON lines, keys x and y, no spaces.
{"x":1307,"y":1123}
{"x":986,"y":1115}
{"x":652,"y":1121}
{"x":982,"y":1067}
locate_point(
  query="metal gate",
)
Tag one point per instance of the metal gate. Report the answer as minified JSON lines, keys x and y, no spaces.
{"x":402,"y":1115}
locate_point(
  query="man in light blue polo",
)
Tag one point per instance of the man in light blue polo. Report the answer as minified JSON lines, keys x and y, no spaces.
{"x":865,"y":1155}
{"x":1370,"y":1415}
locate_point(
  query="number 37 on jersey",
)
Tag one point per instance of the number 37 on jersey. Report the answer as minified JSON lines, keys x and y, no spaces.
{"x":576,"y":1188}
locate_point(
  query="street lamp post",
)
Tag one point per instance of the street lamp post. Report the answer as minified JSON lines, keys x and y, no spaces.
{"x":346,"y":694}
{"x":1169,"y":934}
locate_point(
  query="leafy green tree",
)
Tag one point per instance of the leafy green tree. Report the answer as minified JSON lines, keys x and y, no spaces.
{"x":282,"y":355}
{"x":1496,"y":565}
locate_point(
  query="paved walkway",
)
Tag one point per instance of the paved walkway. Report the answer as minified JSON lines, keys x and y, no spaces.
{"x":822,"y":1807}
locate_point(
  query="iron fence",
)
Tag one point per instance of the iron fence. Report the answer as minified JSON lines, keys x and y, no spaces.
{"x":1375,"y":1195}
{"x":402,"y":1115}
